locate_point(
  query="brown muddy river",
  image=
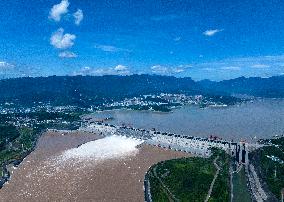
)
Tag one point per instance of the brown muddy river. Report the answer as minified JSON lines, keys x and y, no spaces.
{"x":42,"y":176}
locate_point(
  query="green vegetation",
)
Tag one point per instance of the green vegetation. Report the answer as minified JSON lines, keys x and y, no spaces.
{"x":157,"y":191}
{"x":271,"y":160}
{"x":43,"y":115}
{"x":240,"y":190}
{"x":221,"y":189}
{"x":7,"y":134}
{"x":279,"y":142}
{"x":22,"y":142}
{"x":17,"y":142}
{"x":189,"y":179}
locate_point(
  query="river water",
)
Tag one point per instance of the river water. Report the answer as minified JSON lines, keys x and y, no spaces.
{"x":248,"y":121}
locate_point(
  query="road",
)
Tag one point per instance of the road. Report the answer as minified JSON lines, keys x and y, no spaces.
{"x":214,"y":179}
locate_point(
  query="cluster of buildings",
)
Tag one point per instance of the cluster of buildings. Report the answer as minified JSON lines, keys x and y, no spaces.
{"x":163,"y":99}
{"x":33,"y":120}
{"x":11,"y":108}
{"x":141,"y":102}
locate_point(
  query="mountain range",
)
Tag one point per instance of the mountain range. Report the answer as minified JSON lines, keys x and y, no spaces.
{"x":86,"y":90}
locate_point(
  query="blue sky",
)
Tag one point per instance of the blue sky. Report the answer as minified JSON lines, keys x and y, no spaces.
{"x":210,"y":39}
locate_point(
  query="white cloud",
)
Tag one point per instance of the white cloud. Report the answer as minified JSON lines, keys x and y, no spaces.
{"x":58,"y":10}
{"x":83,"y":71}
{"x":120,"y":68}
{"x":212,"y":32}
{"x":231,"y":68}
{"x":158,"y":69}
{"x":5,"y":65}
{"x":7,"y":70}
{"x":260,"y":66}
{"x":177,"y":70}
{"x":78,"y":16}
{"x":185,"y":66}
{"x":177,"y":39}
{"x":166,"y":17}
{"x":62,"y":41}
{"x":246,"y":62}
{"x":163,"y":70}
{"x":209,"y":69}
{"x":109,"y":48}
{"x":117,"y":70}
{"x":67,"y":54}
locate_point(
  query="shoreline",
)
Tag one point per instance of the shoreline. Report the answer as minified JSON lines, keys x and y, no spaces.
{"x":6,"y":175}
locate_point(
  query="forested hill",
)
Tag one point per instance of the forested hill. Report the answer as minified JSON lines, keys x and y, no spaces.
{"x":96,"y":89}
{"x":272,"y":87}
{"x":90,"y":89}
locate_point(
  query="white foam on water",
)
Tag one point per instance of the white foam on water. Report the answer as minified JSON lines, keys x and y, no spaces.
{"x":106,"y":148}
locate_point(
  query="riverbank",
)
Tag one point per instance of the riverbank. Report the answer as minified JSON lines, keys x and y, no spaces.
{"x":17,"y":158}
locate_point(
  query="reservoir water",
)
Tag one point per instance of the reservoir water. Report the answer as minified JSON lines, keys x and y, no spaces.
{"x":248,"y":121}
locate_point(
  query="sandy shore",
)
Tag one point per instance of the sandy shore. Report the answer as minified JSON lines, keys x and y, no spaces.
{"x":42,"y":176}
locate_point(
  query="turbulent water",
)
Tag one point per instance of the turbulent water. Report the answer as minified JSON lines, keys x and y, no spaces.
{"x":247,"y":121}
{"x":106,"y":148}
{"x":100,"y":169}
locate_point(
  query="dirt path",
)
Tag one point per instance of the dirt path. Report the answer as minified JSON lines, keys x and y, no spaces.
{"x":214,"y":179}
{"x":170,"y":195}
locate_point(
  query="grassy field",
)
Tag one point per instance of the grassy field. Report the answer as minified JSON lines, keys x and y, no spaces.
{"x":189,"y":179}
{"x":241,"y":193}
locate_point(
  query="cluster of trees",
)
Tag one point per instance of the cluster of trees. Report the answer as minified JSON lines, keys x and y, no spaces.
{"x":17,"y":142}
{"x":8,"y":133}
{"x":272,"y":171}
{"x":189,"y":179}
{"x":254,"y":86}
{"x":86,"y":90}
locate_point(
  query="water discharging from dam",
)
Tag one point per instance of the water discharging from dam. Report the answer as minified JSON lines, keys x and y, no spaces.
{"x":109,"y":147}
{"x":53,"y":173}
